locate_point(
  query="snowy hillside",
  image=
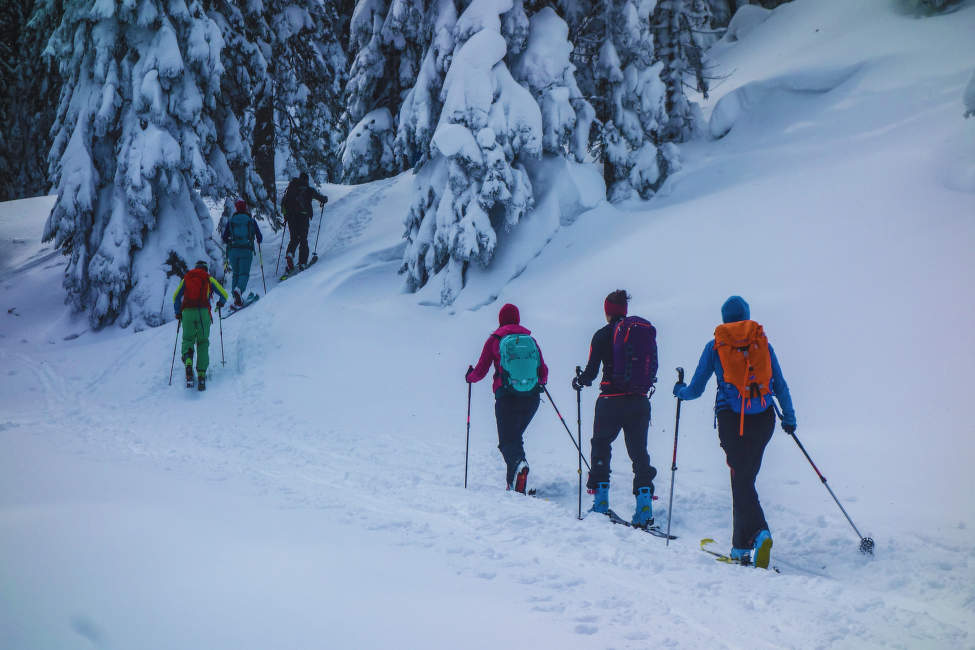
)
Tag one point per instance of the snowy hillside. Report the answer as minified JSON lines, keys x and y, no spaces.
{"x":313,"y":496}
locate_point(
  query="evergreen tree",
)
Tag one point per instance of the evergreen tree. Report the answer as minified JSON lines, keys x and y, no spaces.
{"x":474,"y":179}
{"x":140,"y":134}
{"x":388,"y":39}
{"x":679,"y":50}
{"x":29,"y":88}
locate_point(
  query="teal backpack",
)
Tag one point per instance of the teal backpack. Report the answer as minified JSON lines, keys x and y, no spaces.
{"x":240,"y":231}
{"x":519,"y":362}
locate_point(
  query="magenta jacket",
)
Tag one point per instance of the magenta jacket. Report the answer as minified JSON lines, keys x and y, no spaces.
{"x":491,"y":353}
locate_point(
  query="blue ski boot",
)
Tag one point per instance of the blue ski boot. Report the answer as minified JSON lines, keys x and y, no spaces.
{"x":643,"y":517}
{"x":741,"y":555}
{"x":600,"y":499}
{"x":763,"y":549}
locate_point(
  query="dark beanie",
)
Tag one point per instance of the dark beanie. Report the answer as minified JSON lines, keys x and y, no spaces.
{"x":240,"y":205}
{"x":735,"y":309}
{"x":201,"y":264}
{"x":509,"y":315}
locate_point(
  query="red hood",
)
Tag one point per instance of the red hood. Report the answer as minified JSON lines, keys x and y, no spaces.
{"x":505,"y":330}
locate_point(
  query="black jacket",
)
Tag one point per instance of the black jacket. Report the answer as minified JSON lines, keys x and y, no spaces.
{"x":299,"y":195}
{"x":601,"y":351}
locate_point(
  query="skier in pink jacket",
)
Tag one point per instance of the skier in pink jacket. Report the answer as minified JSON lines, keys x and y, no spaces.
{"x":516,"y":388}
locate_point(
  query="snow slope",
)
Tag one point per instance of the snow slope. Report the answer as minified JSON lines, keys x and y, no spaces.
{"x":313,"y":497}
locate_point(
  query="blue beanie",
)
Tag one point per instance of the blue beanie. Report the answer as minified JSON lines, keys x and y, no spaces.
{"x":735,"y":309}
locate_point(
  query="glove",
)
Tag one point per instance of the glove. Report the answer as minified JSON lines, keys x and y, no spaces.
{"x":467,"y":375}
{"x":179,"y":315}
{"x":678,"y":387}
{"x":325,"y":201}
{"x":577,"y":383}
{"x":221,"y":303}
{"x":789,"y":427}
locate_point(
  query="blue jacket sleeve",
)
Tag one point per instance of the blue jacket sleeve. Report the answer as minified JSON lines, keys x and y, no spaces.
{"x":705,"y":368}
{"x":781,"y":390}
{"x":257,"y":231}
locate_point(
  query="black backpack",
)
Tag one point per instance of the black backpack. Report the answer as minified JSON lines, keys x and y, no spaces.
{"x":290,"y":202}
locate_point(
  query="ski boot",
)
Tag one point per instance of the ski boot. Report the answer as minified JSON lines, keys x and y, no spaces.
{"x":190,"y":376}
{"x":741,"y":555}
{"x":238,"y":301}
{"x":643,"y":517}
{"x":600,"y":498}
{"x":201,"y":381}
{"x":521,"y":477}
{"x":763,"y":549}
{"x":289,"y":266}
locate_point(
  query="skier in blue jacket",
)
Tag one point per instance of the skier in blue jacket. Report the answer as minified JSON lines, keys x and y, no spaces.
{"x":239,"y":234}
{"x":743,"y":436}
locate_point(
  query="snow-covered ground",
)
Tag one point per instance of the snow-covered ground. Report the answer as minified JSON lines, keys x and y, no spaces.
{"x":313,"y":496}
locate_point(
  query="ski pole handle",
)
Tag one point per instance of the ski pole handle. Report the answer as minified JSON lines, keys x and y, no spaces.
{"x":680,"y":375}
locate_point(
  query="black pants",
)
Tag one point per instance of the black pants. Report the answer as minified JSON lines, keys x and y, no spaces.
{"x":744,"y":454}
{"x":631,"y":413}
{"x":299,"y":238}
{"x":514,"y":413}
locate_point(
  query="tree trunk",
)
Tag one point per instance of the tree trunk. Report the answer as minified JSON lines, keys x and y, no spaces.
{"x":263,"y":149}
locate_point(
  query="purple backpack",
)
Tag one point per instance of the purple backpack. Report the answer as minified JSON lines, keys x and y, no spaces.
{"x":634,"y":355}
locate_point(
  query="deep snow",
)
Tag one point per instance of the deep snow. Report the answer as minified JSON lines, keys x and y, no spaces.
{"x":313,"y":496}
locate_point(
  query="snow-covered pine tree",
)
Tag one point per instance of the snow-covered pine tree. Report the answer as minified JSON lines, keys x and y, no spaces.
{"x":421,"y":106}
{"x":138,"y":139}
{"x":389,"y":41}
{"x":676,"y":46}
{"x":545,"y":69}
{"x":632,"y":98}
{"x":29,"y":88}
{"x":474,"y":180}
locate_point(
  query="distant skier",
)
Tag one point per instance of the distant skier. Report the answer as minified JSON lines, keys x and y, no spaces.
{"x":519,"y":374}
{"x":748,"y":377}
{"x":239,"y":234}
{"x":296,"y":206}
{"x":191,"y":302}
{"x":627,"y":350}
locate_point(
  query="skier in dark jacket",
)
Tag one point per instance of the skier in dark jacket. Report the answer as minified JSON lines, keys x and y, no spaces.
{"x":239,"y":233}
{"x":296,"y":206}
{"x":745,"y":426}
{"x":514,"y":409}
{"x":617,"y":408}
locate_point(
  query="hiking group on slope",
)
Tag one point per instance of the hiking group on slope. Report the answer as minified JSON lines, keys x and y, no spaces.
{"x":242,"y":237}
{"x":748,"y":378}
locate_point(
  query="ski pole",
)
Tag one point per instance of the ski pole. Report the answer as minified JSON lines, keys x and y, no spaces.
{"x":223,"y":361}
{"x":467,"y":448}
{"x":260,"y":258}
{"x":321,"y":218}
{"x":578,"y":448}
{"x":579,"y":435}
{"x":866,"y":543}
{"x":173,"y":364}
{"x":673,"y":463}
{"x":281,"y":247}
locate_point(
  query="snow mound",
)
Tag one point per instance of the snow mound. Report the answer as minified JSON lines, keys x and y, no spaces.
{"x":746,"y":19}
{"x":771,"y":94}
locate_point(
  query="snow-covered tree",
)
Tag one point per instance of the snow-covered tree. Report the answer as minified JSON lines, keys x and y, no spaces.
{"x":29,"y":88}
{"x":388,"y":40}
{"x":139,"y":136}
{"x":421,"y":105}
{"x":474,"y":180}
{"x":679,"y":50}
{"x":545,"y":69}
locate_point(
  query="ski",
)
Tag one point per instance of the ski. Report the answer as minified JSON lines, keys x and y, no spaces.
{"x":296,"y":270}
{"x":250,"y":300}
{"x":727,"y":559}
{"x":654,"y":529}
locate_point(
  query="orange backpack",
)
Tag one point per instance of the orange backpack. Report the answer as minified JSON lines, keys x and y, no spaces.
{"x":747,"y":363}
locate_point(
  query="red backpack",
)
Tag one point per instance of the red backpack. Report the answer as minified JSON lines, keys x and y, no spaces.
{"x":196,"y":289}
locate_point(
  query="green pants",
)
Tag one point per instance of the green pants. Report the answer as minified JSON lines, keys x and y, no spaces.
{"x":196,"y":331}
{"x":240,"y":261}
